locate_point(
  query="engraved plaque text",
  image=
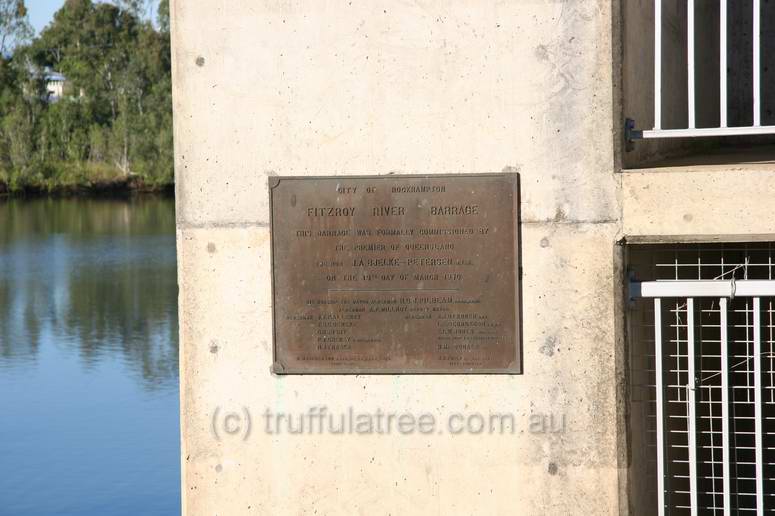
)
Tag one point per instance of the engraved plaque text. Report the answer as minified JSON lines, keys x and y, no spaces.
{"x":396,"y":274}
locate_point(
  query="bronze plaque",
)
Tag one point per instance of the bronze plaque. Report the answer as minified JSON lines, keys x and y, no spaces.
{"x":396,"y":274}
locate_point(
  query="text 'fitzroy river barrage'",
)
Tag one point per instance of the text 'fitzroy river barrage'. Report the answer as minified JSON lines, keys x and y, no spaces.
{"x":396,"y":274}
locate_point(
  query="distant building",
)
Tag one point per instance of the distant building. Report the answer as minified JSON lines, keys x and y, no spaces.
{"x":55,"y":85}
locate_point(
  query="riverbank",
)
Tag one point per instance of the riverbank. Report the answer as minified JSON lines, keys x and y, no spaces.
{"x":118,"y":187}
{"x":67,"y":179}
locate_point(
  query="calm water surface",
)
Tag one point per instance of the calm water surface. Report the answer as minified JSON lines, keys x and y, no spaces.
{"x":88,"y":358}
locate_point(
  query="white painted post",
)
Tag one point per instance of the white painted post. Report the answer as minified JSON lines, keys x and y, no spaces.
{"x":757,"y":386}
{"x":660,"y":409}
{"x":723,"y":63}
{"x":690,"y":61}
{"x":657,"y":65}
{"x":725,"y":449}
{"x":691,"y":399}
{"x":757,"y":103}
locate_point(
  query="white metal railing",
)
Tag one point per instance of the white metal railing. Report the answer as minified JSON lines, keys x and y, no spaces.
{"x":682,"y":359}
{"x":723,"y":129}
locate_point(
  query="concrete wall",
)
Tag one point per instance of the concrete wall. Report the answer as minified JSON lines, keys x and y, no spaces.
{"x":275,"y":87}
{"x":710,"y":204}
{"x":266,"y":88}
{"x":314,"y":88}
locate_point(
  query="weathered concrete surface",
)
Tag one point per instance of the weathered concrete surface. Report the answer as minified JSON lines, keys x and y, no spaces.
{"x":721,"y":200}
{"x":225,"y":363}
{"x":319,"y":88}
{"x":330,"y":87}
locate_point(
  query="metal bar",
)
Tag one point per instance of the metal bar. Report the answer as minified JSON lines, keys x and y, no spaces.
{"x":690,"y":61}
{"x":703,"y":288}
{"x":657,"y":65}
{"x":692,"y":409}
{"x":660,"y":411}
{"x":708,"y":131}
{"x":725,"y":449}
{"x":757,"y":103}
{"x":757,"y":389}
{"x":747,"y":288}
{"x":723,"y":64}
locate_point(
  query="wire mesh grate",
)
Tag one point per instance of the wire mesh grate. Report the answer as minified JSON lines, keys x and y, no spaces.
{"x":741,"y":261}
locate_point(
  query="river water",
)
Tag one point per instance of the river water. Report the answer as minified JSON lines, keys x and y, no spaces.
{"x":88,"y":358}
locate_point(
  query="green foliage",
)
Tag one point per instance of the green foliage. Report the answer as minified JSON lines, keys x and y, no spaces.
{"x":14,"y":26}
{"x":163,"y":15}
{"x":116,"y":112}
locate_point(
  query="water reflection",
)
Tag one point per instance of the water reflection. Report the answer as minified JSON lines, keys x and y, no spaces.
{"x":95,"y":276}
{"x":88,"y":358}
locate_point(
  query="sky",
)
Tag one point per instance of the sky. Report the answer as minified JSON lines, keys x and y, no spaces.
{"x":41,"y":12}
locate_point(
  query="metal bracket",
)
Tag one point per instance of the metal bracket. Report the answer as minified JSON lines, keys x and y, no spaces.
{"x":631,"y":134}
{"x":633,"y":288}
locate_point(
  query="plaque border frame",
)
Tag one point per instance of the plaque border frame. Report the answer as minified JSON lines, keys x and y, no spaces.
{"x":514,"y":368}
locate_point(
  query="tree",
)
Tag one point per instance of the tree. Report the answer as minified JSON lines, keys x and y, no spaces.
{"x":14,"y":26}
{"x":163,"y":16}
{"x":116,"y":114}
{"x":135,"y":7}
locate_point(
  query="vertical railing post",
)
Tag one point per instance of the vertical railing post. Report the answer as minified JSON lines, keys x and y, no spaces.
{"x":657,"y":65}
{"x":690,"y":62}
{"x":723,"y":63}
{"x":725,"y":450}
{"x":660,"y":408}
{"x":757,"y":399}
{"x":757,"y":103}
{"x":691,"y":425}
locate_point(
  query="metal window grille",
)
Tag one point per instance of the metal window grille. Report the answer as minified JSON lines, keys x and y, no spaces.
{"x":710,"y":378}
{"x":758,"y":41}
